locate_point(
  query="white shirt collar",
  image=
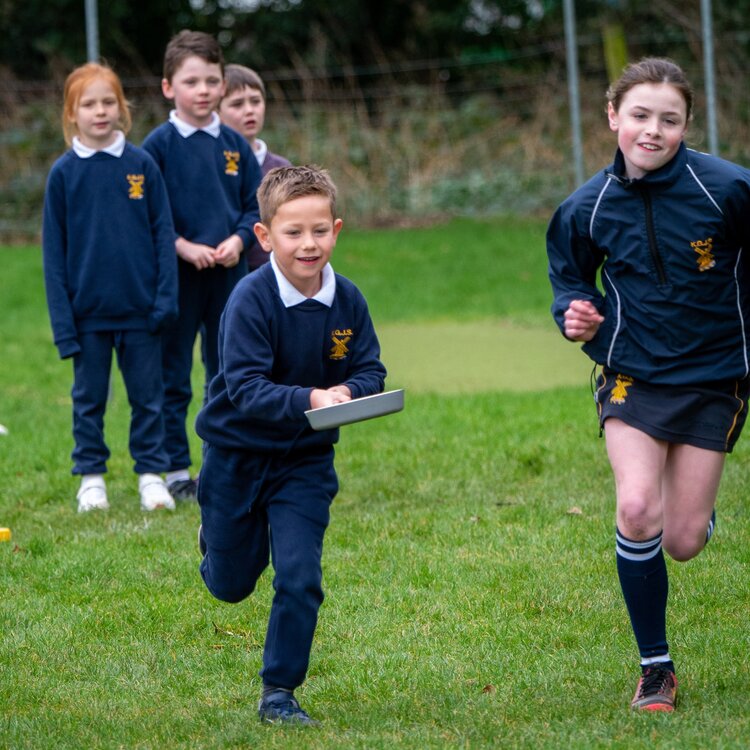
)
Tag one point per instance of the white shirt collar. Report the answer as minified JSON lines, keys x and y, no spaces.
{"x":260,"y":149}
{"x":114,"y":149}
{"x":291,"y":296}
{"x":186,"y":130}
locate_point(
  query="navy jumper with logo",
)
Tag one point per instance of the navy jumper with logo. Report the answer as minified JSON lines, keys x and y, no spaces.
{"x":671,"y":248}
{"x":212,"y":181}
{"x":267,"y":478}
{"x":111,"y":282}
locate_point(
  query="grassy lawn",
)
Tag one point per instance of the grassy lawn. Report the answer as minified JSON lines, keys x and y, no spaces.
{"x":471,"y":600}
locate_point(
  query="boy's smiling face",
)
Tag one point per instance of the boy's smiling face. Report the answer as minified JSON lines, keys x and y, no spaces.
{"x":196,"y":88}
{"x":302,"y":236}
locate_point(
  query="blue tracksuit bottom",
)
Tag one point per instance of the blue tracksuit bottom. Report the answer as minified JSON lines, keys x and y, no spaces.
{"x":139,"y":359}
{"x":254,"y":506}
{"x":202,"y":297}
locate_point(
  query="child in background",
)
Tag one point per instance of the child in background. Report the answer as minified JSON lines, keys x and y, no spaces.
{"x":294,"y":336}
{"x":111,"y":280}
{"x":666,"y":227}
{"x":243,"y":108}
{"x":211,"y":177}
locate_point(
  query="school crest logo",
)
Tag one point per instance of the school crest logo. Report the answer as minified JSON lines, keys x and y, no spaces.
{"x":705,"y":250}
{"x":620,"y":391}
{"x":340,"y":339}
{"x":135,"y":191}
{"x":232,"y":159}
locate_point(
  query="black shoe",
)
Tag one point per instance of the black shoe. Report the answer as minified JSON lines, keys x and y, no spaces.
{"x":201,"y":541}
{"x":183,"y":490}
{"x":281,"y":707}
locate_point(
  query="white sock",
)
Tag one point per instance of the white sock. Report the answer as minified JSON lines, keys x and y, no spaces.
{"x":177,"y":476}
{"x":92,"y":480}
{"x":651,"y":660}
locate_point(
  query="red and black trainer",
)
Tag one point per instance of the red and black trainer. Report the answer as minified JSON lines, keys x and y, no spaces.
{"x":656,"y":691}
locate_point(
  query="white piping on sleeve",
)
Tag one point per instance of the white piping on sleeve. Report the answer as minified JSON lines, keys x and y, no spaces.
{"x":619,"y":315}
{"x":739,"y":311}
{"x":596,"y":206}
{"x":604,"y":273}
{"x":705,"y":190}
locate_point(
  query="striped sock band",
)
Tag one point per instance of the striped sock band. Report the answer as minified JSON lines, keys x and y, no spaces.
{"x":637,"y":551}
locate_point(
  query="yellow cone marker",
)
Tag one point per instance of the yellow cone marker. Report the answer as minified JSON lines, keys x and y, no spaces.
{"x":4,"y":534}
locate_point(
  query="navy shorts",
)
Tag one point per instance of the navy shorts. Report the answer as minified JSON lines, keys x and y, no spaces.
{"x":706,"y":415}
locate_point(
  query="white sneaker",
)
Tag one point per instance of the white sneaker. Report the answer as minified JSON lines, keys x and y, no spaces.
{"x":92,"y":495}
{"x":154,"y":493}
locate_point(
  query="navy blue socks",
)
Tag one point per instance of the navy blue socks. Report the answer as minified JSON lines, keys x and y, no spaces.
{"x":643,"y":578}
{"x":711,"y":526}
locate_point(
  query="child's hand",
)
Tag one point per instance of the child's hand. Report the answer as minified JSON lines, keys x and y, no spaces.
{"x":582,"y":320}
{"x":338,"y":394}
{"x":201,"y":256}
{"x":227,"y":253}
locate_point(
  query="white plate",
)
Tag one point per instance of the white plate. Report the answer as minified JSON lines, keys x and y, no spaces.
{"x":356,"y":410}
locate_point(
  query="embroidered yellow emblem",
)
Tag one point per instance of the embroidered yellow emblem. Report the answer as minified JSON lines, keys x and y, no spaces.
{"x":705,"y":250}
{"x":340,"y":339}
{"x":135,"y":191}
{"x":233,"y":162}
{"x":620,"y":391}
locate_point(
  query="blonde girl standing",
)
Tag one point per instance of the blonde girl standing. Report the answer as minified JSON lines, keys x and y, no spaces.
{"x":110,"y":277}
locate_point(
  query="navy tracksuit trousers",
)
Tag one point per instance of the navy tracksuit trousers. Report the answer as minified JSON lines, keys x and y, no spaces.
{"x":254,"y":506}
{"x":202,"y":297}
{"x":139,"y":358}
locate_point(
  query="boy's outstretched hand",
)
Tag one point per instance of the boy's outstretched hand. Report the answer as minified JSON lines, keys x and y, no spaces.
{"x":582,"y":320}
{"x":338,"y":394}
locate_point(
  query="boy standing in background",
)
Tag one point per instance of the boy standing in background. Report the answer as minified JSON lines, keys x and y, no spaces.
{"x":294,"y":336}
{"x":211,"y":177}
{"x":243,"y":108}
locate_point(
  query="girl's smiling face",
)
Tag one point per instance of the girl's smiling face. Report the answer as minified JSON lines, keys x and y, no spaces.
{"x":650,"y":124}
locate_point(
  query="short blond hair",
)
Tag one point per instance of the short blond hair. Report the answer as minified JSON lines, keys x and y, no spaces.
{"x":284,"y":184}
{"x":75,"y":85}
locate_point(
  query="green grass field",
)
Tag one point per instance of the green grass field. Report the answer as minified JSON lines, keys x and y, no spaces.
{"x":472,"y":598}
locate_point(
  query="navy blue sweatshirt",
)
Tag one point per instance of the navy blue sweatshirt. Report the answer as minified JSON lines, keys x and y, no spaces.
{"x":108,"y":245}
{"x":672,"y":251}
{"x":271,"y":358}
{"x":211,"y":183}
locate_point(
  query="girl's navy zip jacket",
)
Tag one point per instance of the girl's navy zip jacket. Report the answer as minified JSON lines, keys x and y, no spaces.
{"x":673,"y":249}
